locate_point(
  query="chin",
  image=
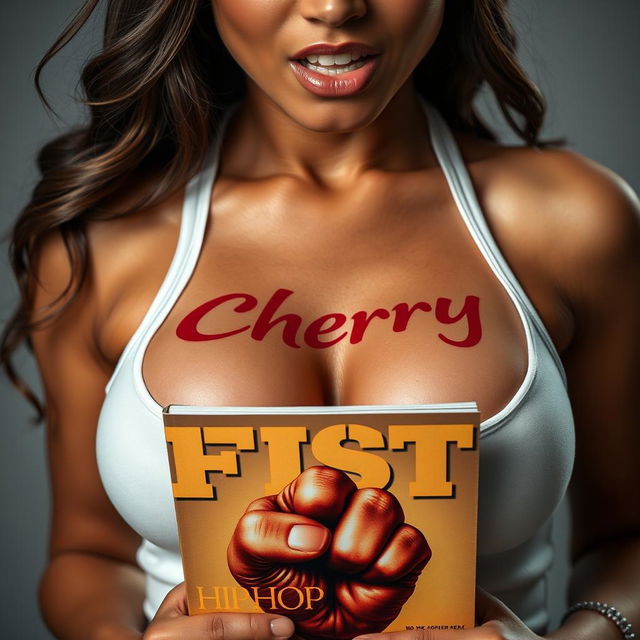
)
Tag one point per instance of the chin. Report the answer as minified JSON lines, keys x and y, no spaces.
{"x":335,"y":116}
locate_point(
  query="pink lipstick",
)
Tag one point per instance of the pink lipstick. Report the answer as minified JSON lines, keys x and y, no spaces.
{"x":334,"y":71}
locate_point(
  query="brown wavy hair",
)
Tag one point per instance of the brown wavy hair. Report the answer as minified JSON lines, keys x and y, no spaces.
{"x":155,"y":94}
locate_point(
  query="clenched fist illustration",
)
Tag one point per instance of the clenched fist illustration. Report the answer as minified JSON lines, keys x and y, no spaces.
{"x":339,"y":561}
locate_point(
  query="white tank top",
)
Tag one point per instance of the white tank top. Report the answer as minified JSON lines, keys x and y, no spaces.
{"x":526,"y":451}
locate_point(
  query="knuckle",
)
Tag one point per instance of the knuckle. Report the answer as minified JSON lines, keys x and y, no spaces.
{"x":322,"y":474}
{"x":374,"y":501}
{"x":255,"y":629}
{"x":173,"y":598}
{"x":326,"y":480}
{"x":250,"y":526}
{"x":321,"y":492}
{"x":267,"y":503}
{"x":215,"y":628}
{"x":410,"y":538}
{"x":413,"y":540}
{"x":249,"y":521}
{"x":179,"y":589}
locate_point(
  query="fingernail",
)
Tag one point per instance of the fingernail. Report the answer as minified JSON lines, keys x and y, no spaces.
{"x":282,"y":627}
{"x":306,"y":537}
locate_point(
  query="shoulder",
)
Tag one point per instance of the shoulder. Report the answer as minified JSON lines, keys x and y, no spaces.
{"x":123,"y":255}
{"x":576,"y":220}
{"x":122,"y":245}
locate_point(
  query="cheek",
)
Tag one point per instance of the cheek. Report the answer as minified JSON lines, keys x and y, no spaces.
{"x":418,"y":20}
{"x":248,"y":26}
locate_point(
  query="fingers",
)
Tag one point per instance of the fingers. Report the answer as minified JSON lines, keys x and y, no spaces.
{"x":320,"y":493}
{"x":489,"y":608}
{"x":370,"y":519}
{"x":175,"y":602}
{"x":268,"y":503}
{"x":222,"y":626}
{"x":492,"y":614}
{"x":263,"y":538}
{"x":407,"y":550}
{"x":370,"y":535}
{"x":172,"y":621}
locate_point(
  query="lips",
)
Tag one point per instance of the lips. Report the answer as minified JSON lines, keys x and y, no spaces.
{"x":340,"y":80}
{"x":334,"y":49}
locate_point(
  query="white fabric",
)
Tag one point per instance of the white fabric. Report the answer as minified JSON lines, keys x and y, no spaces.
{"x":527,"y":449}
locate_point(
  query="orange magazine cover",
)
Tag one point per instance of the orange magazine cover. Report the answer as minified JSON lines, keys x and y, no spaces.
{"x":348,"y":520}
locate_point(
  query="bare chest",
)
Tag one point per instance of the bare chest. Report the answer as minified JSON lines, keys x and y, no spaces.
{"x":394,"y":307}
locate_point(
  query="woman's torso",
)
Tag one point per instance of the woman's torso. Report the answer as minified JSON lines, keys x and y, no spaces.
{"x":370,"y":254}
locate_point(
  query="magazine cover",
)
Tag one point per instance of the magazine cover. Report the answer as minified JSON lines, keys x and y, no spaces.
{"x":348,"y":520}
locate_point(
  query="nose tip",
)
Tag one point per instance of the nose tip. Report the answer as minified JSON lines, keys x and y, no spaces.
{"x":334,"y":13}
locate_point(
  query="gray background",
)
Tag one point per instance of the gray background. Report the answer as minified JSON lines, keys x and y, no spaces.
{"x":583,"y":54}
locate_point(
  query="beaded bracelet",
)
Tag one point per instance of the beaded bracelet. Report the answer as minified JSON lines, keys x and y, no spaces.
{"x":606,"y":610}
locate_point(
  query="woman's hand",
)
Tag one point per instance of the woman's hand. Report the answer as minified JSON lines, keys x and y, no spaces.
{"x":495,"y":622}
{"x":172,"y":622}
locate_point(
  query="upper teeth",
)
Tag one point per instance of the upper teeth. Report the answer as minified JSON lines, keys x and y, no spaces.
{"x":327,"y":60}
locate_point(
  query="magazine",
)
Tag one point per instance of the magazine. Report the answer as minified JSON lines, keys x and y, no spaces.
{"x":346,"y":519}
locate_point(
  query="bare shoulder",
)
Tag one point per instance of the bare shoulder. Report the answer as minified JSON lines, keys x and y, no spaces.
{"x":122,"y":245}
{"x":131,"y":255}
{"x":575,"y":220}
{"x":127,"y":259}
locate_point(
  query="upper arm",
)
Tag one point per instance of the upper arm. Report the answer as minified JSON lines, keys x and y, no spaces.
{"x":74,"y":376}
{"x":598,"y":272}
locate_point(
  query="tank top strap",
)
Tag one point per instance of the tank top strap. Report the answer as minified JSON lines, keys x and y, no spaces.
{"x":193,"y":223}
{"x":457,"y":176}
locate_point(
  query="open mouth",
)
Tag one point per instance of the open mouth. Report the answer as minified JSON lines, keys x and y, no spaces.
{"x":335,"y":71}
{"x":333,"y":65}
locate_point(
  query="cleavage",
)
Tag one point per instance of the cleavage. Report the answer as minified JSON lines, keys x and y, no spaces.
{"x":333,"y":273}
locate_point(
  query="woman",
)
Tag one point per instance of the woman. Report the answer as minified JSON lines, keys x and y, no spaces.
{"x":332,"y":179}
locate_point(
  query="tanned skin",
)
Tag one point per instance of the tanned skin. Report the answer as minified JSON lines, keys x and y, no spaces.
{"x":300,"y":179}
